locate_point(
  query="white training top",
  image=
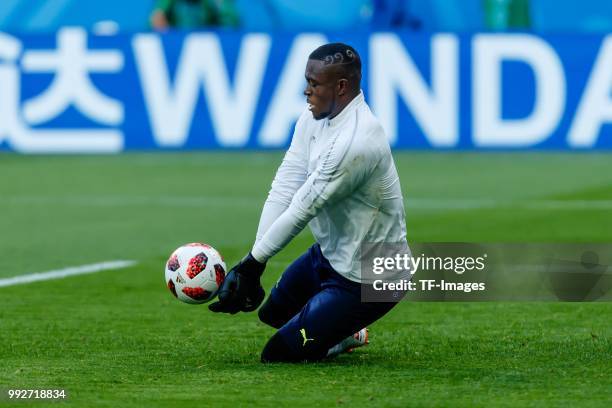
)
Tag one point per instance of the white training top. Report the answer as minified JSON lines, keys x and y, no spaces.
{"x":339,"y":176}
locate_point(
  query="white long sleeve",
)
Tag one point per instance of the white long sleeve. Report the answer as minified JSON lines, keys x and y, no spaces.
{"x":329,"y":182}
{"x":339,"y":177}
{"x":289,"y":177}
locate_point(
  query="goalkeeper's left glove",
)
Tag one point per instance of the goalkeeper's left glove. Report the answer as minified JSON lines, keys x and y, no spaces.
{"x":241,"y":291}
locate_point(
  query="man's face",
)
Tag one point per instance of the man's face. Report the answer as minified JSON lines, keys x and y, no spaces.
{"x":321,"y":81}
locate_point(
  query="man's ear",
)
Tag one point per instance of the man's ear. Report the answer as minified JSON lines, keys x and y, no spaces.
{"x":342,"y":86}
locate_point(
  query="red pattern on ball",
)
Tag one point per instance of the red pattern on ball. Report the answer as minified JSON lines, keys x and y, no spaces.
{"x":196,"y":265}
{"x":196,"y":293}
{"x":172,"y":288}
{"x":219,"y":274}
{"x":173,"y":263}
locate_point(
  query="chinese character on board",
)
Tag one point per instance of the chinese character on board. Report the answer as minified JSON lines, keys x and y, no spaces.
{"x":71,"y":63}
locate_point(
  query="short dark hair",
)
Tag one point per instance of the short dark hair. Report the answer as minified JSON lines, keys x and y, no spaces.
{"x":342,"y":55}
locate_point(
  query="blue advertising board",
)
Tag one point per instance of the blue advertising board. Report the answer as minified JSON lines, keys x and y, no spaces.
{"x":76,"y":92}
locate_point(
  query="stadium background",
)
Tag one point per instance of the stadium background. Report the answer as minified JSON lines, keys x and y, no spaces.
{"x":499,"y":114}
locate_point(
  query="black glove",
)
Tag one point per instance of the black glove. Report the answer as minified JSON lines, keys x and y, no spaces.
{"x":241,"y":291}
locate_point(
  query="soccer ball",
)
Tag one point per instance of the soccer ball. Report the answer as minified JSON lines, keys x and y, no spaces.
{"x":194,"y":273}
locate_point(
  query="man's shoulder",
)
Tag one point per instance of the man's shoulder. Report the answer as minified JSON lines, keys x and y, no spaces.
{"x":370,"y":133}
{"x":370,"y":124}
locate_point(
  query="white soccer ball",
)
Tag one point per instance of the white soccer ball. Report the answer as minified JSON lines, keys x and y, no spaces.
{"x":194,"y":273}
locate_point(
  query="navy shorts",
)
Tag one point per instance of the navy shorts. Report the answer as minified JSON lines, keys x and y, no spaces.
{"x":315,"y":308}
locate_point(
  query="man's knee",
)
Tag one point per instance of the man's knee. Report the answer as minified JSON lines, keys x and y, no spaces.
{"x":272,"y":314}
{"x":276,"y":350}
{"x":279,"y":350}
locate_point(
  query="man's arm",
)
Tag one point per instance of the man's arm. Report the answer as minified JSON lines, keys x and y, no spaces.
{"x":290,"y":175}
{"x":241,"y":291}
{"x":337,"y":175}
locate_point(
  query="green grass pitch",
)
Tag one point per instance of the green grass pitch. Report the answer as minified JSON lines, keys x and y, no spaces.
{"x":119,"y":339}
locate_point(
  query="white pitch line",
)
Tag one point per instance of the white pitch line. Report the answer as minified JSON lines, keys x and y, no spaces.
{"x":66,"y":272}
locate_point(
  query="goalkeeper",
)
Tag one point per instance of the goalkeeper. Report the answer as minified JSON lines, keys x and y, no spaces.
{"x":338,"y":176}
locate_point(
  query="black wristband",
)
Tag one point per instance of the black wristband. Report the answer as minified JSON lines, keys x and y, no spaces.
{"x":252,"y":265}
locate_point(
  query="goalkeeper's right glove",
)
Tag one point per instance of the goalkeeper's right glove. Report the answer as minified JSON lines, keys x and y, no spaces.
{"x":241,"y":291}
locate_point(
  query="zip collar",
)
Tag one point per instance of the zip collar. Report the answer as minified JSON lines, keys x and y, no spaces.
{"x":344,"y":113}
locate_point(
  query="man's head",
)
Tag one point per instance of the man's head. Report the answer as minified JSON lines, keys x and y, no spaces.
{"x":333,"y":77}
